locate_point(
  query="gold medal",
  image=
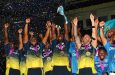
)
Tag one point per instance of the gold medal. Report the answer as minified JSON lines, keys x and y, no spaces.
{"x":48,"y":59}
{"x":88,"y":53}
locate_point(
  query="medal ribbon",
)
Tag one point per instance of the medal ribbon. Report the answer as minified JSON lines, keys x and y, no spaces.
{"x":61,"y":46}
{"x":87,"y":46}
{"x":11,"y":51}
{"x":102,"y":65}
{"x":36,"y":48}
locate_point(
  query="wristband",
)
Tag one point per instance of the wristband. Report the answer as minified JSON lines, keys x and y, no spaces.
{"x":92,"y":38}
{"x":93,"y":26}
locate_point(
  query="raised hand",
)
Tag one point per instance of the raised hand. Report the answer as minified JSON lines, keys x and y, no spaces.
{"x":96,"y":22}
{"x":27,"y":20}
{"x":75,"y":21}
{"x":6,"y":25}
{"x":20,"y":31}
{"x":48,"y":24}
{"x":92,"y":17}
{"x":101,"y":24}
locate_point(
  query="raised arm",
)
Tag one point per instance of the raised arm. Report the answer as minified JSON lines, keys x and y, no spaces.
{"x":6,"y":40}
{"x":72,"y":30}
{"x":20,"y":39}
{"x":96,"y":26}
{"x":26,"y":30}
{"x":53,"y":31}
{"x":48,"y":26}
{"x":104,"y":40}
{"x":58,"y":32}
{"x":50,"y":36}
{"x":77,"y":39}
{"x":94,"y":36}
{"x":66,"y":32}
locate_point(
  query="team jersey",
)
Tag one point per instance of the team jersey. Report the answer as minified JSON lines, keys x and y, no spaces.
{"x":86,"y":57}
{"x":34,"y":55}
{"x":60,"y":53}
{"x":73,"y":57}
{"x":111,"y":53}
{"x":47,"y":59}
{"x":12,"y":58}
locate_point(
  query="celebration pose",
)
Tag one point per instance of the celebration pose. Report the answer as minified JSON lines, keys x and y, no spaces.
{"x":86,"y":49}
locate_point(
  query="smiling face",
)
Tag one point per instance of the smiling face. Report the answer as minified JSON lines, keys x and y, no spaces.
{"x":102,"y":53}
{"x":86,"y":39}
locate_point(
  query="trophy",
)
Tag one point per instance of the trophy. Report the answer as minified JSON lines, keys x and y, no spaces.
{"x":60,"y":19}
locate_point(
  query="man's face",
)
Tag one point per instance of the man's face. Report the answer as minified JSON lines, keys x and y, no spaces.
{"x":109,"y":34}
{"x":86,"y":39}
{"x":60,"y":38}
{"x":102,"y":54}
{"x":112,"y":39}
{"x":33,"y":41}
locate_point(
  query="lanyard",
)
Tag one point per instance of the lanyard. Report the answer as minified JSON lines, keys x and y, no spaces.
{"x":102,"y":65}
{"x":47,"y":52}
{"x":11,"y":50}
{"x":87,"y":47}
{"x":61,"y":47}
{"x":36,"y":48}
